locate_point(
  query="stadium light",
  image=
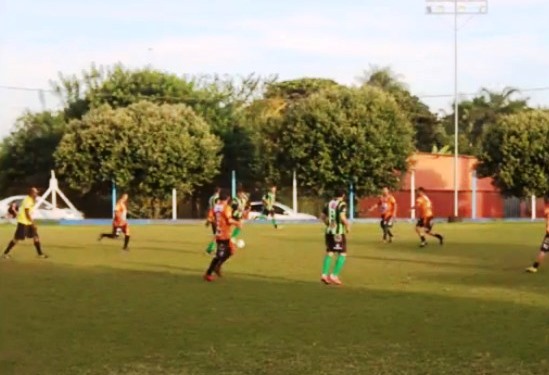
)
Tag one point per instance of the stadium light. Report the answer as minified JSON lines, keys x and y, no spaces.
{"x":455,"y":8}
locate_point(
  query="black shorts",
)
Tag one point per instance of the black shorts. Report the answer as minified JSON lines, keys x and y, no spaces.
{"x":386,"y":222}
{"x":268,"y":212}
{"x":224,"y":248}
{"x":545,"y":244}
{"x":426,"y":222}
{"x":336,"y":243}
{"x":25,"y":231}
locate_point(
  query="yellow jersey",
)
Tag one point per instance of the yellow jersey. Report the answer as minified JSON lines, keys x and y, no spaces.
{"x":27,"y":204}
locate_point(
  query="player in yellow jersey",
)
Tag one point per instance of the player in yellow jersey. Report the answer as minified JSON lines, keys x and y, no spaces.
{"x":544,"y":248}
{"x":120,"y":223}
{"x":26,"y":228}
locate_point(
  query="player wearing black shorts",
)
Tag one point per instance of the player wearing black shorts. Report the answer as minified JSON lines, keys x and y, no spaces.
{"x":544,"y":248}
{"x":337,"y":226}
{"x":26,"y":228}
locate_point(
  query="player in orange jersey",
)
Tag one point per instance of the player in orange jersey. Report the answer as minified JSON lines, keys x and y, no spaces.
{"x":424,"y":209}
{"x":120,"y":223}
{"x":222,"y":215}
{"x":544,"y":248}
{"x":387,"y":207}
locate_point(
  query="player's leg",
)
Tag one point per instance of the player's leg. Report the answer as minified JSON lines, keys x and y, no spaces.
{"x":327,"y":263}
{"x":126,"y":230}
{"x":429,"y":231}
{"x":419,"y":231}
{"x":341,"y":250}
{"x":211,"y":245}
{"x":111,"y":235}
{"x":389,"y":223}
{"x":222,"y":249}
{"x":544,"y":248}
{"x":225,"y":258}
{"x":32,"y":232}
{"x":273,"y":219}
{"x":19,"y":235}
{"x":382,"y":224}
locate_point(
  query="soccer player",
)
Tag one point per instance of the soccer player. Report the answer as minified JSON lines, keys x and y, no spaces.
{"x":211,"y":204}
{"x":240,"y":205}
{"x":223,"y":216}
{"x":12,"y":211}
{"x":120,"y":223}
{"x":424,"y":226}
{"x":544,"y":248}
{"x":269,"y":200}
{"x":337,"y":226}
{"x":25,"y":225}
{"x":387,"y":207}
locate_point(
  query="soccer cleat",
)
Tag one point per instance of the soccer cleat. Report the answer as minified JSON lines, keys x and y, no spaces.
{"x":335,"y":280}
{"x":43,"y":256}
{"x":209,"y":278}
{"x":423,"y":244}
{"x":6,"y":256}
{"x":531,"y":269}
{"x":100,"y":237}
{"x":390,"y":240}
{"x":325,"y":279}
{"x":441,"y":240}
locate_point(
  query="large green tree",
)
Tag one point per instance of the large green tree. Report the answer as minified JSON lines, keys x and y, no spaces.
{"x":515,"y":153}
{"x":146,"y":149}
{"x":476,"y":115}
{"x":339,"y":135}
{"x":429,"y":131}
{"x":26,"y":156}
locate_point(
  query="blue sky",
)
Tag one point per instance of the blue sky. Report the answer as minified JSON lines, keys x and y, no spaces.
{"x":292,"y":38}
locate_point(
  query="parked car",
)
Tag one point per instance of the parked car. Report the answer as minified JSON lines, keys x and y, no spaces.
{"x":45,"y":211}
{"x":282,"y":212}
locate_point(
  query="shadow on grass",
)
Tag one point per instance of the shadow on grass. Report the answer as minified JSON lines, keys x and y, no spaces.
{"x":65,"y":320}
{"x":423,"y":262}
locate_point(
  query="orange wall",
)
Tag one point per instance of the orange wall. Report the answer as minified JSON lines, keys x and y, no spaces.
{"x":435,"y":173}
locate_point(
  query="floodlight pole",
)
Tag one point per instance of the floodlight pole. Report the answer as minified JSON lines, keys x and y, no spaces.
{"x":471,"y":7}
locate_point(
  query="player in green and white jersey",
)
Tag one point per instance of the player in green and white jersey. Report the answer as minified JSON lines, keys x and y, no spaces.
{"x":240,"y":205}
{"x":269,"y":200}
{"x":211,"y":203}
{"x":337,"y":226}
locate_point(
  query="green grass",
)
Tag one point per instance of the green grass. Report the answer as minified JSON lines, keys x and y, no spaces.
{"x":465,"y":308}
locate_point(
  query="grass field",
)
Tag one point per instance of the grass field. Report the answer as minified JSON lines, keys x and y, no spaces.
{"x":464,"y":308}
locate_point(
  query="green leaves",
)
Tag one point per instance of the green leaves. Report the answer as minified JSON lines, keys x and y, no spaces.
{"x":516,"y":154}
{"x":147,"y":149}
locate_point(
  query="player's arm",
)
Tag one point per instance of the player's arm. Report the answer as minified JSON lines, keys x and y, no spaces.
{"x":229,"y":217}
{"x":374,"y":206}
{"x":324,"y":215}
{"x":344,"y":220}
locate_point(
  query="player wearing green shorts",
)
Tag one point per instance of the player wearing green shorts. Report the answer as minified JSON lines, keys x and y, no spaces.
{"x":337,"y":226}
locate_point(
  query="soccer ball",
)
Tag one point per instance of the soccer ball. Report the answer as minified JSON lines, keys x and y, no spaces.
{"x":240,"y":243}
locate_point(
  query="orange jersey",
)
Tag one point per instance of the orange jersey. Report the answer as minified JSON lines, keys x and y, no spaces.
{"x":546,"y":214}
{"x":424,"y":207}
{"x":222,"y":214}
{"x":387,"y":206}
{"x":120,"y":213}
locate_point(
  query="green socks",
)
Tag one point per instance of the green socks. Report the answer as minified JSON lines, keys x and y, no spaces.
{"x":236,"y":232}
{"x":339,"y":264}
{"x":211,"y":247}
{"x":327,"y":265}
{"x":274,"y":223}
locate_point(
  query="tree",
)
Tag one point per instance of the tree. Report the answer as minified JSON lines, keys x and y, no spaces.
{"x":340,"y":135}
{"x":515,"y":153}
{"x":478,"y":114}
{"x":145,"y":148}
{"x":429,"y":131}
{"x":26,"y":157}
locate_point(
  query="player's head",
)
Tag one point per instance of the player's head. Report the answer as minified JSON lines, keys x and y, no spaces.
{"x":339,"y":193}
{"x":420,"y":191}
{"x":223,"y":196}
{"x":217,"y":190}
{"x":124,"y":198}
{"x":385,"y":191}
{"x":33,"y":192}
{"x":273,"y":188}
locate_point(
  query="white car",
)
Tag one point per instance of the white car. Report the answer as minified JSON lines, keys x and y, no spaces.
{"x":45,"y":211}
{"x":282,"y":212}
